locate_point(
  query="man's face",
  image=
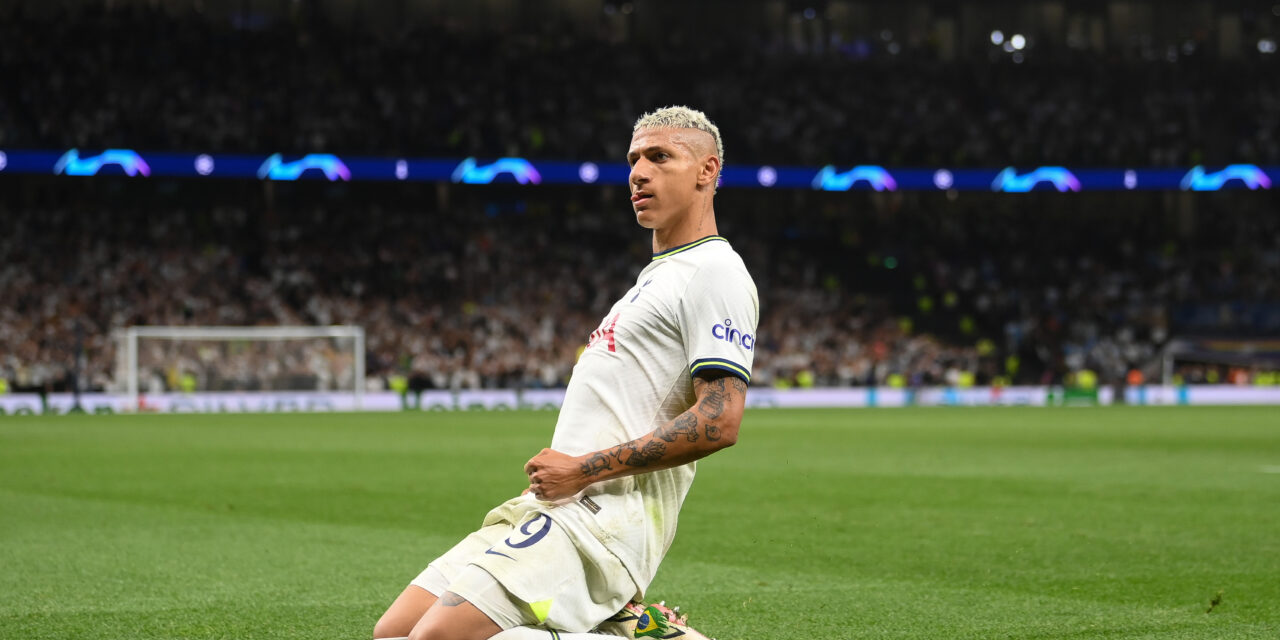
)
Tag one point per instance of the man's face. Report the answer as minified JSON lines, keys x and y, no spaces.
{"x":665,"y":168}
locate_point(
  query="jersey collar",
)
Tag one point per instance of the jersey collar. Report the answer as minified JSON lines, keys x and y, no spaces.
{"x":685,"y":247}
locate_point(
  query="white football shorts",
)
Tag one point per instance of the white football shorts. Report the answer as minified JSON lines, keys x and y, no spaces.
{"x":532,"y":575}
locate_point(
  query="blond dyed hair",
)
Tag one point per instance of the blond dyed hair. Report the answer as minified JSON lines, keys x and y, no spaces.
{"x":681,"y":117}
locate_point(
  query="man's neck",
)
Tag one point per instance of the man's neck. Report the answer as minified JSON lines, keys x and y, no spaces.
{"x":691,"y":228}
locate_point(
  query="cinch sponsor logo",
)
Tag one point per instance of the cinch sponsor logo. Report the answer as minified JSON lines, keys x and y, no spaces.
{"x":727,"y":333}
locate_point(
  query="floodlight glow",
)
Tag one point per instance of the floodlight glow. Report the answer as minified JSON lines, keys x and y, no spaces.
{"x":588,"y":172}
{"x":767,"y":176}
{"x":1266,"y":45}
{"x":997,"y":37}
{"x":1130,"y":179}
{"x":4,"y":161}
{"x":1018,"y":41}
{"x":943,"y":179}
{"x":204,"y":164}
{"x":402,"y":170}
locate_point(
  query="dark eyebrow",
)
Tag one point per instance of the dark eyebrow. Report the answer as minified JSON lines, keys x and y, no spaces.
{"x":646,"y":150}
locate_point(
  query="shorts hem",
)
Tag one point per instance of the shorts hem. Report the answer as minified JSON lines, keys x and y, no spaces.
{"x":491,"y":609}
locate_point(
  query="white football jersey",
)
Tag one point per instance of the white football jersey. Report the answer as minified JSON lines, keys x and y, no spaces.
{"x":694,"y":308}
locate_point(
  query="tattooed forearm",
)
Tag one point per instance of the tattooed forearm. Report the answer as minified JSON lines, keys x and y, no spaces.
{"x":623,"y":451}
{"x":710,"y":425}
{"x":652,"y":451}
{"x":634,"y":454}
{"x":595,"y":464}
{"x":451,"y":599}
{"x":686,"y":424}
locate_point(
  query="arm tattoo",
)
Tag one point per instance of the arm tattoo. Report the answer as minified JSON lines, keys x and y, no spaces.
{"x":652,"y":451}
{"x":652,"y":448}
{"x":713,"y":432}
{"x":622,"y":450}
{"x":595,"y":465}
{"x":686,"y":424}
{"x":633,"y":455}
{"x":712,"y":404}
{"x":451,"y":599}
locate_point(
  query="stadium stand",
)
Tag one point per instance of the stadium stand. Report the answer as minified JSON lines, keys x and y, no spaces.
{"x":315,"y":85}
{"x":500,"y":288}
{"x":462,"y":289}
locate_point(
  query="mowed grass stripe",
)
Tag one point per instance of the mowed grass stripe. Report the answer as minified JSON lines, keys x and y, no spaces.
{"x":928,"y":523}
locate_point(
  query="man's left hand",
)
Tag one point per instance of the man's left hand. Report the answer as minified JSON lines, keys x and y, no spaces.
{"x":554,"y":475}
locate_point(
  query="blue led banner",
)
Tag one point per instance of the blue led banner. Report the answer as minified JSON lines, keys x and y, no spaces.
{"x":325,"y":166}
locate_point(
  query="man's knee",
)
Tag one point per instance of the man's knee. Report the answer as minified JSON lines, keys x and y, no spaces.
{"x":454,"y":618}
{"x":390,"y":629}
{"x":438,"y":632}
{"x":404,"y":613}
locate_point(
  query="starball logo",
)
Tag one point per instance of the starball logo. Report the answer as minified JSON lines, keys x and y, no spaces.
{"x":1010,"y":181}
{"x":828,"y":179}
{"x":468,"y":172}
{"x":1249,"y":175}
{"x":275,"y":168}
{"x":730,"y":334}
{"x":128,"y":160}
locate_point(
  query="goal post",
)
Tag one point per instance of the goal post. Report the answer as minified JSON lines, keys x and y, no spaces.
{"x":245,"y":358}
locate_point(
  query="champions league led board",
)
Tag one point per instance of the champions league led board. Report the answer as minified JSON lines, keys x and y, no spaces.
{"x":532,"y":172}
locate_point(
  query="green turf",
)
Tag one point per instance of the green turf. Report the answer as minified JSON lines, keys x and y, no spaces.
{"x":937,"y":523}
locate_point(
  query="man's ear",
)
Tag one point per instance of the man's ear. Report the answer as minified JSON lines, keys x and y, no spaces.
{"x":710,"y":171}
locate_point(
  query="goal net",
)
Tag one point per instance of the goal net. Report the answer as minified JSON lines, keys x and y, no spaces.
{"x":239,"y":360}
{"x":1232,"y":360}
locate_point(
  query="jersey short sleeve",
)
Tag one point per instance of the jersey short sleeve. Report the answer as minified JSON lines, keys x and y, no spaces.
{"x":719,"y":312}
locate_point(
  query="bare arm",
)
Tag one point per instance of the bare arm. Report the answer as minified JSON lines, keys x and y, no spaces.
{"x":709,"y":426}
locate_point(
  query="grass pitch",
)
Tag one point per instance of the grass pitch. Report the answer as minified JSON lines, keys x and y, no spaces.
{"x":929,"y":523}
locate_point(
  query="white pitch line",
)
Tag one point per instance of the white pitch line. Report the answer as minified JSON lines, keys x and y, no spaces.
{"x":1270,"y":468}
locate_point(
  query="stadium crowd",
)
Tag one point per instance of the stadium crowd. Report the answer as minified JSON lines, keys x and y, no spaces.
{"x":308,"y":84}
{"x":504,"y":292}
{"x":463,"y":289}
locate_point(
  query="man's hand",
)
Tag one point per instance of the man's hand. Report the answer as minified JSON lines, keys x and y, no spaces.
{"x":554,"y":475}
{"x":709,"y":426}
